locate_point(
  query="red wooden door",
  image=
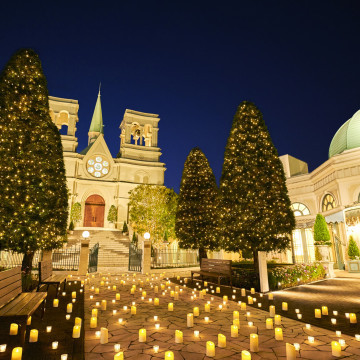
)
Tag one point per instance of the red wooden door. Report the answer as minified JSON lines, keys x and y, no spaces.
{"x":94,"y":211}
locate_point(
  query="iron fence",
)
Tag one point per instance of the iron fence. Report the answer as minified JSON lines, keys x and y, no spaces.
{"x":170,"y":258}
{"x":66,"y":259}
{"x":10,"y":259}
{"x":93,"y":258}
{"x":135,"y":258}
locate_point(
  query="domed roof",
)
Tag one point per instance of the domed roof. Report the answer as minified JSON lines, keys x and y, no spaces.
{"x":347,"y":137}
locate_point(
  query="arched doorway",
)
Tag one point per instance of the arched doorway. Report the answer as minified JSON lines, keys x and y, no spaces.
{"x":94,"y":211}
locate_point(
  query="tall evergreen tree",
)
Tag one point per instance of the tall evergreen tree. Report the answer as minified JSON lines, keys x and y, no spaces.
{"x":196,"y":224}
{"x":33,"y":196}
{"x":255,"y":211}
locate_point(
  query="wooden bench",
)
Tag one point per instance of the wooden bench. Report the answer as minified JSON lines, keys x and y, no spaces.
{"x":214,"y":268}
{"x":46,"y":276}
{"x":15,"y":303}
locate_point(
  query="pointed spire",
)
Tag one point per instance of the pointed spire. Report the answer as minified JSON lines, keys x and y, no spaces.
{"x":97,"y":120}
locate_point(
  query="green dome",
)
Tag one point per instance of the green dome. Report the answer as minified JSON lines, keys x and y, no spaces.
{"x":347,"y":137}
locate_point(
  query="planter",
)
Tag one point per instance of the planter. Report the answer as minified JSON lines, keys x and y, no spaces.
{"x":324,"y":252}
{"x":354,"y":266}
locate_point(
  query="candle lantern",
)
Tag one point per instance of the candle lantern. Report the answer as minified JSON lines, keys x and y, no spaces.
{"x":69,"y":308}
{"x":14,"y":328}
{"x":352,"y":317}
{"x":178,"y":336}
{"x":156,"y":301}
{"x":210,"y":349}
{"x":142,"y":335}
{"x":324,"y":310}
{"x":317,"y":313}
{"x":243,"y":306}
{"x":277,"y":319}
{"x":218,"y":290}
{"x":235,"y":315}
{"x":133,"y":310}
{"x":73,"y":295}
{"x":207,"y":307}
{"x":284,"y":306}
{"x":76,"y":332}
{"x":93,"y":322}
{"x":16,"y":353}
{"x":117,"y":296}
{"x":119,"y":356}
{"x":190,"y":320}
{"x":243,"y":292}
{"x":221,"y":340}
{"x":103,"y":304}
{"x":170,"y":307}
{"x":56,"y":303}
{"x":254,"y":343}
{"x":104,"y":336}
{"x":54,"y":345}
{"x":245,"y":355}
{"x":335,"y":349}
{"x":234,"y":331}
{"x":196,"y":311}
{"x":290,"y":352}
{"x":169,"y":355}
{"x":278,"y":333}
{"x":34,"y":335}
{"x":269,"y":323}
{"x":272,"y":310}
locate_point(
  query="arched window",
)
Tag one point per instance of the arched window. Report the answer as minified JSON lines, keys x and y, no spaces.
{"x":299,"y":209}
{"x":328,"y":202}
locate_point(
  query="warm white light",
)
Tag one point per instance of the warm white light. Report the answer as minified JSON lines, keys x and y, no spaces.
{"x":297,"y":346}
{"x":156,"y":317}
{"x":196,"y":333}
{"x":97,"y":334}
{"x":147,"y":236}
{"x":156,"y":349}
{"x":54,"y":345}
{"x":311,"y":339}
{"x":3,"y":348}
{"x":85,"y":234}
{"x":48,"y":329}
{"x":157,"y":326}
{"x":338,"y":333}
{"x":117,"y":348}
{"x":120,"y":320}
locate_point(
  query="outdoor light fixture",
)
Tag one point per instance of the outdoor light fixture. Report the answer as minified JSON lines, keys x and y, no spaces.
{"x":85,"y":234}
{"x":147,"y":236}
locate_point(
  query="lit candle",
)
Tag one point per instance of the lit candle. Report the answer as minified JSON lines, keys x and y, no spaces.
{"x":272,"y":310}
{"x":245,"y":355}
{"x":156,"y":289}
{"x":284,"y":306}
{"x":335,"y":313}
{"x":14,"y":329}
{"x":250,"y":300}
{"x":54,"y":345}
{"x":78,"y":321}
{"x":338,"y":333}
{"x":278,"y":333}
{"x":190,"y":320}
{"x":234,"y":331}
{"x":143,"y":294}
{"x":311,"y":339}
{"x":69,"y":308}
{"x":73,"y":295}
{"x":254,"y":343}
{"x":269,"y":323}
{"x":235,"y":315}
{"x":221,"y":340}
{"x":243,"y":306}
{"x":103,"y":304}
{"x":335,"y":349}
{"x":16,"y":353}
{"x":119,"y":356}
{"x":56,"y":303}
{"x":308,"y":326}
{"x":357,"y":337}
{"x":142,"y":335}
{"x":297,"y":346}
{"x":333,"y":321}
{"x":196,"y":311}
{"x":133,"y":310}
{"x":117,"y":348}
{"x":48,"y":329}
{"x":3,"y":348}
{"x":318,"y":313}
{"x":156,"y":349}
{"x":225,"y":298}
{"x":114,"y":287}
{"x":104,"y":336}
{"x":94,"y":312}
{"x":218,"y":290}
{"x":157,"y":326}
{"x":196,"y":333}
{"x":117,"y":296}
{"x":270,"y":296}
{"x":178,"y":336}
{"x":93,"y":322}
{"x":290,"y":352}
{"x":96,"y":290}
{"x":206,"y":319}
{"x":28,"y":321}
{"x":205,"y":283}
{"x":207,"y":307}
{"x":76,"y":332}
{"x":299,"y":316}
{"x":277,"y":319}
{"x":34,"y":334}
{"x":210,"y":349}
{"x":67,"y":317}
{"x":324,"y":310}
{"x":169,"y":355}
{"x":352,"y":318}
{"x":236,"y":322}
{"x":132,"y":291}
{"x":156,"y":301}
{"x":170,"y":307}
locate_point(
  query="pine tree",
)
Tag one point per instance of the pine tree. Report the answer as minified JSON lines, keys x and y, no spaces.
{"x":255,"y":207}
{"x":196,"y":224}
{"x":33,"y":197}
{"x":321,"y":231}
{"x":353,"y":249}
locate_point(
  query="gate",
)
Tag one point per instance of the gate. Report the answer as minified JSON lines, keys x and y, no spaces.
{"x":93,"y":258}
{"x":135,"y":258}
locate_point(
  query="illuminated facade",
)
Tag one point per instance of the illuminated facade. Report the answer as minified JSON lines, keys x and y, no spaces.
{"x":333,"y":189}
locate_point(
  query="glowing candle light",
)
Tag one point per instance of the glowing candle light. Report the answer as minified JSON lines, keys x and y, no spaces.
{"x":243,"y":292}
{"x":357,"y":337}
{"x":170,"y":307}
{"x":132,"y":291}
{"x":156,"y":349}
{"x":16,"y":353}
{"x":335,"y":313}
{"x":196,"y":333}
{"x":117,"y":348}
{"x":34,"y":335}
{"x":352,"y":318}
{"x":234,"y":331}
{"x":210,"y":349}
{"x":94,"y":312}
{"x":299,"y":316}
{"x":73,"y":295}
{"x":317,"y":313}
{"x":69,"y":308}
{"x":205,"y":283}
{"x":178,"y":336}
{"x":76,"y":332}
{"x":284,"y":306}
{"x":28,"y":321}
{"x":78,"y":321}
{"x":56,"y":303}
{"x":324,"y":310}
{"x":225,"y":298}
{"x":333,"y":321}
{"x":169,"y":355}
{"x":190,"y":320}
{"x":338,"y":333}
{"x":133,"y":310}
{"x":290,"y":352}
{"x":103,"y":304}
{"x":196,"y":311}
{"x":277,"y":319}
{"x":48,"y":329}
{"x":235,"y":315}
{"x":236,"y":322}
{"x":245,"y":355}
{"x":117,"y":296}
{"x":221,"y":340}
{"x":97,"y":290}
{"x":142,"y":335}
{"x":143,"y":294}
{"x":54,"y":345}
{"x":120,"y":320}
{"x":93,"y":322}
{"x":308,"y":326}
{"x":278,"y":333}
{"x":243,"y":306}
{"x":272,"y":310}
{"x":207,"y":308}
{"x":157,"y":326}
{"x":254,"y":343}
{"x":250,"y":300}
{"x":297,"y":346}
{"x":206,"y":319}
{"x":14,"y":328}
{"x":252,"y":291}
{"x":67,"y":317}
{"x":119,"y":356}
{"x":270,"y":296}
{"x":3,"y":348}
{"x":311,"y":339}
{"x":217,"y":290}
{"x":269,"y":323}
{"x":335,"y":349}
{"x":156,"y":302}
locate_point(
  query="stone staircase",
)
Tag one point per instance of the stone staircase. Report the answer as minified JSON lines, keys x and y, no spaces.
{"x":113,"y":246}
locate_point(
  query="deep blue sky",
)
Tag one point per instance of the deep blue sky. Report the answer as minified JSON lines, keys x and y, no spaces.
{"x":194,"y":62}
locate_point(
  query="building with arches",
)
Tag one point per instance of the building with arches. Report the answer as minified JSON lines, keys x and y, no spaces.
{"x":333,"y":190}
{"x":95,"y":178}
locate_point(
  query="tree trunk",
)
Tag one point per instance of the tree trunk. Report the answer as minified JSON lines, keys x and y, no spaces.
{"x":26,"y":266}
{"x":202,"y":253}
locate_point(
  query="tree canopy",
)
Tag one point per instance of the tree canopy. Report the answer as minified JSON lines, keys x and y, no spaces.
{"x":152,"y":209}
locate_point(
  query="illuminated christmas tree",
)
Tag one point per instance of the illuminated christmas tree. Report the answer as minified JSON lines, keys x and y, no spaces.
{"x":255,"y":211}
{"x":33,"y":197}
{"x":196,"y":224}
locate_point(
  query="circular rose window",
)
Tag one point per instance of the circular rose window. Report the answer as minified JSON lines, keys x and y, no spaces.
{"x":97,"y":166}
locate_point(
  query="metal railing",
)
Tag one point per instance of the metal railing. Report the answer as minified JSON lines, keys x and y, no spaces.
{"x":135,"y":258}
{"x":66,"y":259}
{"x":10,"y":259}
{"x":170,"y":258}
{"x":93,"y":258}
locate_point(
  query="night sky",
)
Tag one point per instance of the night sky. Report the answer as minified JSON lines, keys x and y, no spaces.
{"x":194,"y":62}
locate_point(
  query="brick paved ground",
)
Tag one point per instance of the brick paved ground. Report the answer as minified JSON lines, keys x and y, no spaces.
{"x":126,"y":333}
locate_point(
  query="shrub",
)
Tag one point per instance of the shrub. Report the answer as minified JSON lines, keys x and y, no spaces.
{"x":353,"y":249}
{"x":71,"y":226}
{"x":321,"y":231}
{"x":75,"y":214}
{"x":135,"y":239}
{"x":125,"y":228}
{"x":112,"y":216}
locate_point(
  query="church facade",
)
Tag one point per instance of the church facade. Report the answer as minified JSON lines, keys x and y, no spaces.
{"x":333,"y":190}
{"x":95,"y":178}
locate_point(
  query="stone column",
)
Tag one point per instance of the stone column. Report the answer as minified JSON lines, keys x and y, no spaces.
{"x":47,"y":255}
{"x":304,"y":245}
{"x":263,"y":272}
{"x":84,"y":257}
{"x":146,"y":257}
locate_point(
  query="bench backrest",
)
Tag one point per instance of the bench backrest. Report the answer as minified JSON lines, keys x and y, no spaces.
{"x":216,"y":266}
{"x":45,"y":269}
{"x":10,"y":285}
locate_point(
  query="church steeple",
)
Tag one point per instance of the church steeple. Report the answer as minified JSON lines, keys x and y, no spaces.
{"x":96,"y":126}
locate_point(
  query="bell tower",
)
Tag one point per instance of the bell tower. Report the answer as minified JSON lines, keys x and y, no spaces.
{"x":139,"y":136}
